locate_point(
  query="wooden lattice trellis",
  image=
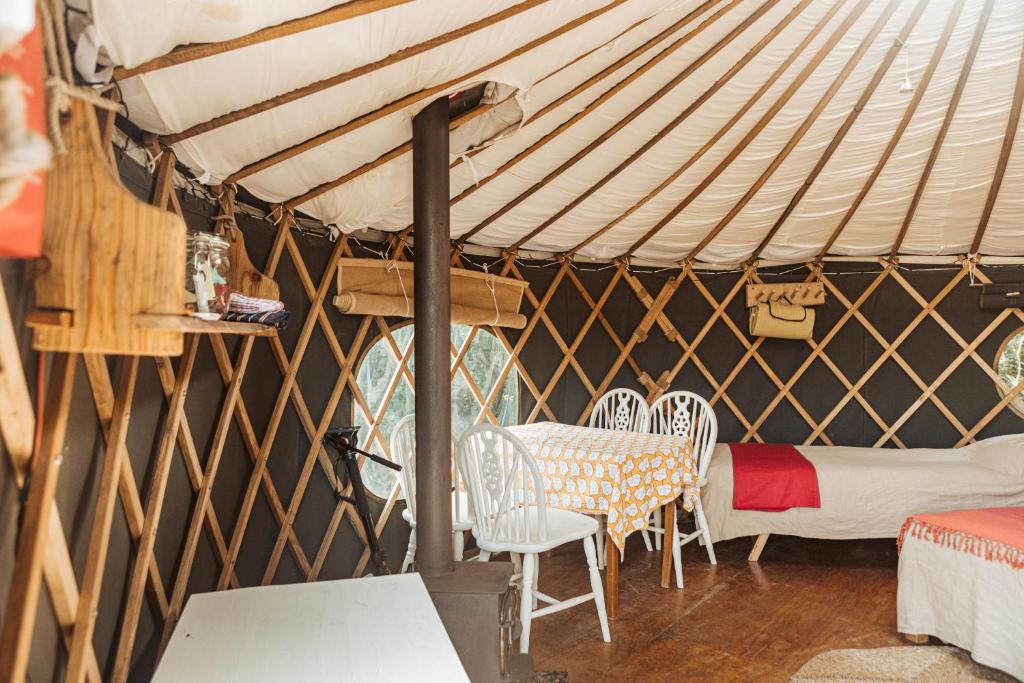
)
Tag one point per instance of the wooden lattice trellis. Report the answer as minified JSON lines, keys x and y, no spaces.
{"x":45,"y":557}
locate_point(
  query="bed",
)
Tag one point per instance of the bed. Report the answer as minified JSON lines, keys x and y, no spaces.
{"x":870,"y":492}
{"x":964,"y":584}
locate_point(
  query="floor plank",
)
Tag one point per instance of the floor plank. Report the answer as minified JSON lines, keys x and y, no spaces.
{"x":732,"y":622}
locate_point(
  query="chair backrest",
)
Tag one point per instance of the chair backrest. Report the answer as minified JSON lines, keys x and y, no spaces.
{"x":503,"y":481}
{"x":683,"y":413}
{"x":622,"y":409}
{"x":403,"y":450}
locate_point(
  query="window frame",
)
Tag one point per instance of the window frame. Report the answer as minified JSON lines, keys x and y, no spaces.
{"x":1017,"y":403}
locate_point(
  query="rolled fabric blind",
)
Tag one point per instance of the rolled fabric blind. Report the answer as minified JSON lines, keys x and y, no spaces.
{"x":377,"y":287}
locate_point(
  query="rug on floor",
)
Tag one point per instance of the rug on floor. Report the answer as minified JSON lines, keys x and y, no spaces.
{"x":916,"y":664}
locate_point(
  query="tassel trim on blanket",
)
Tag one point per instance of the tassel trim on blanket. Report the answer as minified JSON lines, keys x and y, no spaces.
{"x":986,"y":548}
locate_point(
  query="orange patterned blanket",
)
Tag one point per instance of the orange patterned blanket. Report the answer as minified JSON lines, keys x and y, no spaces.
{"x":995,"y":534}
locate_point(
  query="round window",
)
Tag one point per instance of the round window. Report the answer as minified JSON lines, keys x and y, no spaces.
{"x":1010,"y":366}
{"x":478,"y":372}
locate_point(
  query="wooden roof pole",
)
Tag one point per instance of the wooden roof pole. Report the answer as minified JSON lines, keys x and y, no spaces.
{"x":954,"y":101}
{"x":405,"y":147}
{"x":190,"y":53}
{"x":683,"y":115}
{"x":854,"y":114}
{"x":740,"y":113}
{"x":1004,"y":156}
{"x":622,"y":123}
{"x":411,"y":99}
{"x":338,"y":79}
{"x":818,"y":109}
{"x":804,"y":74}
{"x":908,"y":115}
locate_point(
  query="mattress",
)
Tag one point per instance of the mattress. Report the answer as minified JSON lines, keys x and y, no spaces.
{"x":964,"y":600}
{"x":865,"y":492}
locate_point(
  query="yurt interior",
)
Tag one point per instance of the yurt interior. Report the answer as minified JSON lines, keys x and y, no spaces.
{"x":511,"y":341}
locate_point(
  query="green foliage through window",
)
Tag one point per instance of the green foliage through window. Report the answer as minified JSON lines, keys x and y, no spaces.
{"x":484,"y":361}
{"x":1010,"y":366}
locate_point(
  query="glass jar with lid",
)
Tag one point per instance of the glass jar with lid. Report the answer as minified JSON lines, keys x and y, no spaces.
{"x":207,"y":291}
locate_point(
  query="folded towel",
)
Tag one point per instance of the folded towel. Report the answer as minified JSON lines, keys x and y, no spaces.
{"x":278,"y":319}
{"x":241,"y":303}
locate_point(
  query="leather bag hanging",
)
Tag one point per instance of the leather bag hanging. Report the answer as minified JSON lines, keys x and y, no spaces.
{"x":782,"y":320}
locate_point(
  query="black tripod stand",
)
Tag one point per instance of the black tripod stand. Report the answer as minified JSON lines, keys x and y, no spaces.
{"x":343,"y":441}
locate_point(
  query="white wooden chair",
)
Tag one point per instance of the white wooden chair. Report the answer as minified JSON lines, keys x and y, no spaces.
{"x":624,"y":410}
{"x":683,"y":413}
{"x":403,"y":447}
{"x":511,"y":515}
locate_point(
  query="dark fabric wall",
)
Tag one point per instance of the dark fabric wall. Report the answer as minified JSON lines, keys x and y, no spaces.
{"x":969,"y":393}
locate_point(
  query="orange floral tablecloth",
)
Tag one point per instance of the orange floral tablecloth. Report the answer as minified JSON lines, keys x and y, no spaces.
{"x":623,"y":475}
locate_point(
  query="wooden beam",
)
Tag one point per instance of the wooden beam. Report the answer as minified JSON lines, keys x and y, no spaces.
{"x":770,"y":35}
{"x":632,"y":115}
{"x":190,"y":53}
{"x":787,"y":94}
{"x":409,"y":100}
{"x":103,"y":517}
{"x":17,"y":420}
{"x":736,"y":117}
{"x":908,"y":115}
{"x":23,"y":592}
{"x":1004,"y":156}
{"x":823,"y":102}
{"x":940,"y":138}
{"x":344,"y":77}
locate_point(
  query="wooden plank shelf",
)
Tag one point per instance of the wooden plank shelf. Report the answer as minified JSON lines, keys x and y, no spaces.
{"x":158,"y":321}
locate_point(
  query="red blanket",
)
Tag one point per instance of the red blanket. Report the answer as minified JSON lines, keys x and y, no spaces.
{"x":996,"y":534}
{"x":772,"y":478}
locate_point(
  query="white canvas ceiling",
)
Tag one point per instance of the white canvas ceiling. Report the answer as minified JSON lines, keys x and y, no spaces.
{"x":718,"y":130}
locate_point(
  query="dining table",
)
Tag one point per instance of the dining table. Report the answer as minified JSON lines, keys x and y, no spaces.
{"x":621,"y":475}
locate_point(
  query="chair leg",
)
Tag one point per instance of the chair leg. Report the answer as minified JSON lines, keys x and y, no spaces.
{"x":484,"y":556}
{"x":599,"y":537}
{"x":410,"y":553}
{"x":526,"y":602}
{"x":536,"y":578}
{"x":658,"y":525}
{"x":458,"y":541}
{"x":705,"y":533}
{"x":517,"y":563}
{"x":596,"y":587}
{"x":677,"y":553}
{"x":647,"y":538}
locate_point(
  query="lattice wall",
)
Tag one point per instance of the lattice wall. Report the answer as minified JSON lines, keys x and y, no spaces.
{"x":222,"y":487}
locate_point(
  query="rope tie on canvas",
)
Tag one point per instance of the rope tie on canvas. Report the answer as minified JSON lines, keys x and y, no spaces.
{"x":468,"y":160}
{"x":393,"y":266}
{"x":494,"y":296}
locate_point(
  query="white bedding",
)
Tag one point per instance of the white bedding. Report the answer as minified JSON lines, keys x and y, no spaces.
{"x":964,"y":600}
{"x":865,"y":492}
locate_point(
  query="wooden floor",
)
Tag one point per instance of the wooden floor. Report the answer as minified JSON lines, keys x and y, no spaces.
{"x":732,"y":622}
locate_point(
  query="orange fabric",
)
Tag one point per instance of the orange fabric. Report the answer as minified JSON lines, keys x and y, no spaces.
{"x":996,"y":533}
{"x":21,"y":223}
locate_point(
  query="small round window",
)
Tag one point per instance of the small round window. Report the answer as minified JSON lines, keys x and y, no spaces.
{"x":1010,"y":366}
{"x":479,"y":370}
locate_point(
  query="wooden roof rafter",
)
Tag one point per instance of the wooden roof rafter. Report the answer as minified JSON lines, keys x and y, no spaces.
{"x":908,"y":115}
{"x":820,"y":107}
{"x":1004,"y":156}
{"x":411,"y":99}
{"x":344,"y":77}
{"x":190,"y":53}
{"x":682,"y":116}
{"x":947,"y":121}
{"x":406,"y":146}
{"x":621,"y":124}
{"x":777,"y":106}
{"x":736,"y":117}
{"x":854,"y":114}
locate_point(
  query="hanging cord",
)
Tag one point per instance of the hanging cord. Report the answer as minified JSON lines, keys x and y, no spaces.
{"x":59,"y":82}
{"x":494,"y":296}
{"x":393,"y":266}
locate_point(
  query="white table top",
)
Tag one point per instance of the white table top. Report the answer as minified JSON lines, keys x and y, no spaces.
{"x":372,"y":629}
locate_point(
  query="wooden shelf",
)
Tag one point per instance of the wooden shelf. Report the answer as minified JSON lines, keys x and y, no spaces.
{"x":158,"y":321}
{"x":187,"y":323}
